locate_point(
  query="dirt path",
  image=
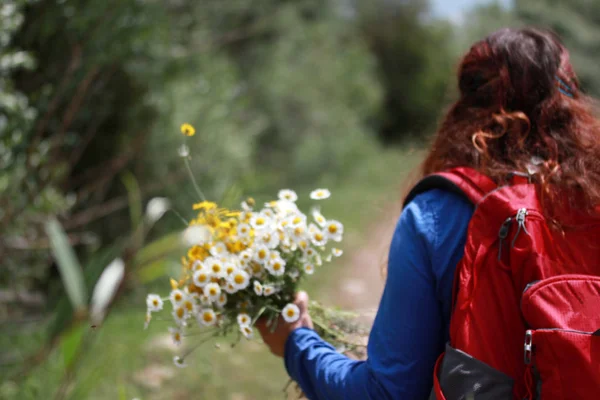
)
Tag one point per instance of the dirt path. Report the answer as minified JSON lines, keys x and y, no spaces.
{"x":362,"y":286}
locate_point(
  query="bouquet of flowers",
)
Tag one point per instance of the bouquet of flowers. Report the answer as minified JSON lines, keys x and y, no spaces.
{"x":247,"y":264}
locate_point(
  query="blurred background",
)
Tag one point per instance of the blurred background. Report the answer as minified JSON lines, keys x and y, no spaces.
{"x":342,"y":94}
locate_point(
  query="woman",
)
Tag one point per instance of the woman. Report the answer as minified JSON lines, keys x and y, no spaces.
{"x":519,"y":109}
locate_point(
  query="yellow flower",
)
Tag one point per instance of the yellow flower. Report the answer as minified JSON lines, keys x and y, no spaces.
{"x":204,"y":205}
{"x":188,"y":130}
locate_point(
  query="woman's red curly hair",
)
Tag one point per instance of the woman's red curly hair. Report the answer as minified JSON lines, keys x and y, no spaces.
{"x":514,"y":115}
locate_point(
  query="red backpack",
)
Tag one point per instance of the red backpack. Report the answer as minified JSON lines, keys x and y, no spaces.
{"x":526,"y":302}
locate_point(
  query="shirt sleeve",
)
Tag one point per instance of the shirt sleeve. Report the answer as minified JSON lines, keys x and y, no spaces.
{"x":411,"y":325}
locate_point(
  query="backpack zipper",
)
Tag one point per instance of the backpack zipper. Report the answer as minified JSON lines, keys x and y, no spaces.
{"x":521,"y":215}
{"x":503,"y":233}
{"x":529,"y":339}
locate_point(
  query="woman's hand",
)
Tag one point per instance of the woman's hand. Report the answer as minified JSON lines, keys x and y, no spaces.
{"x":276,"y":340}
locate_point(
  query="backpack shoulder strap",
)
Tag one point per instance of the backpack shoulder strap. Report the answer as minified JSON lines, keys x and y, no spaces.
{"x":464,"y":181}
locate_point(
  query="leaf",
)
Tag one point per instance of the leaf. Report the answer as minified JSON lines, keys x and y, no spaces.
{"x":135,"y":198}
{"x":70,"y":344}
{"x":160,"y":248}
{"x":152,"y":271}
{"x":68,"y":265}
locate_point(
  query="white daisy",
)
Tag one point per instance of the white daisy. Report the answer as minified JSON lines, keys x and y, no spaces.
{"x":218,"y":249}
{"x":309,"y":269}
{"x":240,"y":279}
{"x":310,"y":252}
{"x":258,"y":288}
{"x":212,"y":290}
{"x":260,"y":221}
{"x":179,"y":362}
{"x":183,"y":151}
{"x":201,"y":278}
{"x":269,"y":239}
{"x":176,"y":335}
{"x":229,"y":268}
{"x":318,"y":217}
{"x":243,"y":231}
{"x":268,"y":290}
{"x":298,"y":234}
{"x":222,"y":300}
{"x":179,"y":315}
{"x":205,"y":300}
{"x":147,"y":319}
{"x":156,"y":208}
{"x":287,"y":194}
{"x":154,"y":302}
{"x":247,"y":331}
{"x":317,"y":259}
{"x":285,"y":207}
{"x":320,"y":194}
{"x":243,"y":319}
{"x":197,"y":265}
{"x":334,"y":230}
{"x":295,"y":220}
{"x":290,"y":313}
{"x":176,"y":297}
{"x":189,"y":305}
{"x":318,"y":238}
{"x":196,"y":235}
{"x":294,"y":273}
{"x":215,"y":266}
{"x":230,"y":288}
{"x":207,"y":317}
{"x":261,"y":254}
{"x":337,"y":252}
{"x":328,"y":258}
{"x":246,"y":206}
{"x":276,"y":266}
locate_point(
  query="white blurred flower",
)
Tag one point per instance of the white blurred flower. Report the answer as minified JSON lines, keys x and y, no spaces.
{"x":176,"y":335}
{"x":294,"y":273}
{"x":154,"y":302}
{"x":222,"y":300}
{"x":243,"y":231}
{"x":207,"y":317}
{"x":320,"y":194}
{"x":309,"y":269}
{"x":183,"y":151}
{"x":318,"y":217}
{"x":243,"y":319}
{"x":268,"y":290}
{"x":196,"y":235}
{"x":179,"y":362}
{"x":337,"y":252}
{"x":318,"y":238}
{"x":176,"y":297}
{"x":106,"y":288}
{"x":156,"y":208}
{"x":258,"y":288}
{"x":212,"y":291}
{"x":240,"y":279}
{"x":287,"y":194}
{"x":290,"y":313}
{"x":261,"y":254}
{"x":334,"y":230}
{"x":276,"y":266}
{"x":201,"y":277}
{"x":247,"y":331}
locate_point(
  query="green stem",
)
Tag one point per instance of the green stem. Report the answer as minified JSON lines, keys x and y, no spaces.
{"x":189,"y":170}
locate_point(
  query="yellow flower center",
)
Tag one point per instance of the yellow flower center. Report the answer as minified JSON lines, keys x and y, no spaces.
{"x":189,"y":306}
{"x":180,"y":312}
{"x":178,"y":296}
{"x":207,"y":317}
{"x":244,"y":320}
{"x":216,"y":268}
{"x":299,"y":230}
{"x":303,"y":244}
{"x":239,"y":279}
{"x":202,"y":277}
{"x":332,"y":229}
{"x":296,"y":220}
{"x":230,"y":269}
{"x":318,"y":236}
{"x":155,"y":303}
{"x":291,"y":312}
{"x":260,"y":221}
{"x":212,"y":291}
{"x":262,"y":254}
{"x":276,"y":266}
{"x":320,"y":219}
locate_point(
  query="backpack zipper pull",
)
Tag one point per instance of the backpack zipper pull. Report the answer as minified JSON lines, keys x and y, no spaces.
{"x":521,"y":214}
{"x":503,"y":233}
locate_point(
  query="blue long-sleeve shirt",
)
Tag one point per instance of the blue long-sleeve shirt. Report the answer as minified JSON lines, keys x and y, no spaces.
{"x":412,"y":322}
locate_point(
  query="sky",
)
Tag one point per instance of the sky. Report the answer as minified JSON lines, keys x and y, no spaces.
{"x":454,"y":9}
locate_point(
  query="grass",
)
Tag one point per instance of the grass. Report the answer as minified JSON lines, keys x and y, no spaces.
{"x":122,"y":361}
